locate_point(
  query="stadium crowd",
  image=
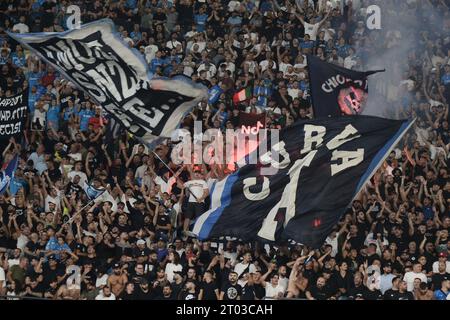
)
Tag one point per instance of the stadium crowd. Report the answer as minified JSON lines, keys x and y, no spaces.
{"x":393,"y":242}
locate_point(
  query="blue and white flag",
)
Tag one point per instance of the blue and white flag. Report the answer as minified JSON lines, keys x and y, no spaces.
{"x":214,"y":94}
{"x":92,"y":192}
{"x":8,"y":174}
{"x":97,"y":60}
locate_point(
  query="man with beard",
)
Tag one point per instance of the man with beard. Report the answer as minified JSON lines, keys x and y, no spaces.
{"x":231,"y":290}
{"x":117,"y":280}
{"x":318,"y":291}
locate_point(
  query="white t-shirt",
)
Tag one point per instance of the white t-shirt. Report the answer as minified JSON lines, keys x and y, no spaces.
{"x":150,"y":52}
{"x":196,"y":187}
{"x":436,"y":267}
{"x":170,"y":269}
{"x":56,"y":200}
{"x":13,"y":262}
{"x":272,"y":291}
{"x":284,"y":66}
{"x":2,"y":277}
{"x":165,"y":186}
{"x":102,"y":281}
{"x":409,"y":278}
{"x":102,"y":297}
{"x":21,"y":27}
{"x":311,"y":30}
{"x":240,"y":268}
{"x":83,"y":177}
{"x":172,"y":44}
{"x":265,"y":65}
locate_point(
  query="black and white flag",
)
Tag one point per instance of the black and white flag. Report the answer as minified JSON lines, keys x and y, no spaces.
{"x":99,"y":62}
{"x":322,"y":166}
{"x":335,"y":90}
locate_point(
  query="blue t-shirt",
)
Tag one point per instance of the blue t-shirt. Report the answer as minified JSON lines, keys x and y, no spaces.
{"x":234,"y":21}
{"x":200,"y":21}
{"x":33,"y":78}
{"x":53,"y":113}
{"x":446,"y":79}
{"x":440,"y":295}
{"x":155,"y":63}
{"x":85,"y":115}
{"x":136,"y":36}
{"x":68,"y":112}
{"x":131,"y":4}
{"x":343,"y":50}
{"x":307,"y":44}
{"x":32,"y":98}
{"x":428,"y":213}
{"x":19,"y":61}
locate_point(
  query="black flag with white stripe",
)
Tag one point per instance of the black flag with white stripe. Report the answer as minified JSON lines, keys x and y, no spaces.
{"x":322,"y":166}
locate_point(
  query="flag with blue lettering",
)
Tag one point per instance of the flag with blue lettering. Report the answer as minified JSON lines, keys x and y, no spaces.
{"x":7,"y":174}
{"x":97,"y":60}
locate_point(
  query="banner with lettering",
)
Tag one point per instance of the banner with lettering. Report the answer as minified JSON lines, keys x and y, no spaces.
{"x":100,"y":63}
{"x":13,"y":115}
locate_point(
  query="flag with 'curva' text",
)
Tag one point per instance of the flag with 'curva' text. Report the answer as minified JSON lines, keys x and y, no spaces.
{"x":97,"y":60}
{"x":321,"y":167}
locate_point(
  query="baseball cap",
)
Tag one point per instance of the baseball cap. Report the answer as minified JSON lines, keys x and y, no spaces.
{"x":116,"y":265}
{"x":442,"y":255}
{"x":140,"y":241}
{"x":52,"y":257}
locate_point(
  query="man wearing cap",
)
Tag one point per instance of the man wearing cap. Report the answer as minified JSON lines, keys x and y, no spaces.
{"x":117,"y":280}
{"x":141,"y":249}
{"x":443,"y":292}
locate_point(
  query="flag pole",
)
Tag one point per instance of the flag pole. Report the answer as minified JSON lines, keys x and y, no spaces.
{"x":79,"y":211}
{"x":165,"y":164}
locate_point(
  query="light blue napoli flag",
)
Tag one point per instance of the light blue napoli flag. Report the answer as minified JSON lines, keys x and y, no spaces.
{"x":92,"y":192}
{"x":214,"y":94}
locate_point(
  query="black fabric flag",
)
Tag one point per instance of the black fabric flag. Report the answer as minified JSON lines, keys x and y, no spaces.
{"x":322,"y":166}
{"x":336,"y":91}
{"x":100,"y":63}
{"x":13,"y":115}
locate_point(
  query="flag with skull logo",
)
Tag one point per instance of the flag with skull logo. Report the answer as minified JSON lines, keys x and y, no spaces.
{"x":337,"y":91}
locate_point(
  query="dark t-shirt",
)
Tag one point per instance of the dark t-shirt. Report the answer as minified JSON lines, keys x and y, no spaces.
{"x":319,"y":293}
{"x":248,"y":292}
{"x":232,"y":292}
{"x":390,"y":294}
{"x":208,"y":290}
{"x":404,"y":296}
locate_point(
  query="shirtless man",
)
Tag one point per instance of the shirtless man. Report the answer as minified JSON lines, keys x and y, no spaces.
{"x":117,"y":280}
{"x":297,"y":283}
